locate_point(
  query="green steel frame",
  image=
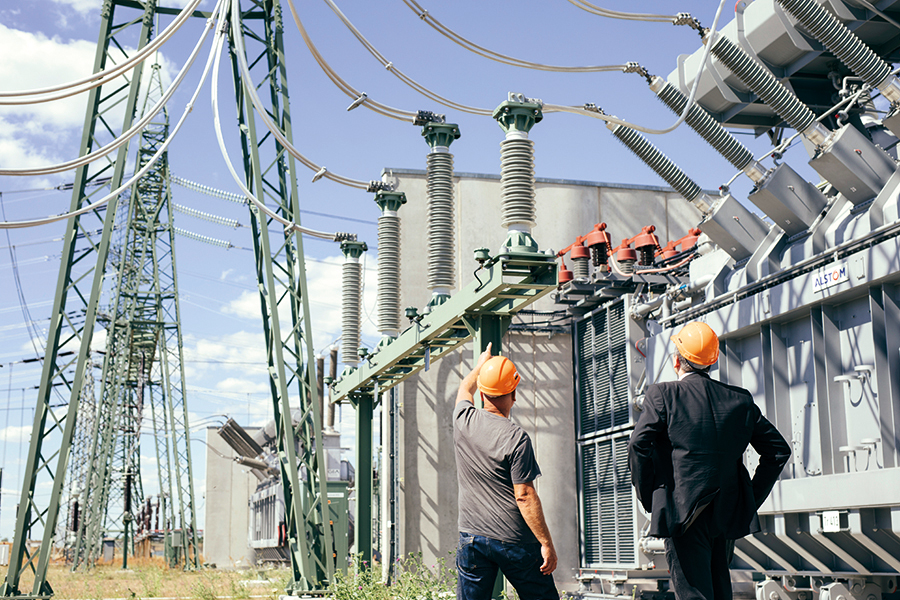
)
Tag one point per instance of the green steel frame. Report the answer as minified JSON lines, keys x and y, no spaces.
{"x":85,"y":250}
{"x":271,"y":174}
{"x":483,"y":310}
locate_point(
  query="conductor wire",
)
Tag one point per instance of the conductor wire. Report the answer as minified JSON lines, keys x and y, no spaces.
{"x":163,"y":147}
{"x":496,"y":56}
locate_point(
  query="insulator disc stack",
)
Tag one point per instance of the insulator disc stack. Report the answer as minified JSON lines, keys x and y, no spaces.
{"x":763,"y":83}
{"x":351,"y":294}
{"x":657,"y":161}
{"x":517,"y":180}
{"x":441,"y":220}
{"x":389,"y":262}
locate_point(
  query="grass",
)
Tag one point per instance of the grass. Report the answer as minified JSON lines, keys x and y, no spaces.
{"x":150,"y":579}
{"x":147,"y":579}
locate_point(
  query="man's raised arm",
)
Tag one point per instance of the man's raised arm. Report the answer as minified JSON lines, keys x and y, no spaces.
{"x":469,"y":383}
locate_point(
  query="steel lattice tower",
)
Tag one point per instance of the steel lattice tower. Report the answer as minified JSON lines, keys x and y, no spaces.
{"x":271,"y":174}
{"x":129,"y":371}
{"x":144,"y":367}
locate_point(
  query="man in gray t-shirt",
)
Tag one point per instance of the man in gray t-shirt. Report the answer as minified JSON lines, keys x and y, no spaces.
{"x":501,"y":521}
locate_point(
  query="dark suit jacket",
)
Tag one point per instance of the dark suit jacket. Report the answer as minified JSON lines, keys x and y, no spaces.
{"x":686,"y":455}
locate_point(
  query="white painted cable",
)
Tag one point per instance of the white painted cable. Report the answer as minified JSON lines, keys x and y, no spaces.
{"x":162,"y":149}
{"x":397,"y":72}
{"x":687,"y":107}
{"x":125,"y":136}
{"x":248,"y":86}
{"x":383,"y":109}
{"x":96,"y":79}
{"x":496,"y":56}
{"x":261,"y":110}
{"x":616,"y":14}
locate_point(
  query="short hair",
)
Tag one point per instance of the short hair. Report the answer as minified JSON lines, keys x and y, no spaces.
{"x":691,"y":367}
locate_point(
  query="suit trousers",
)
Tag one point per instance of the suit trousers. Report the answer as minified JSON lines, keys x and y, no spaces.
{"x":698,"y":561}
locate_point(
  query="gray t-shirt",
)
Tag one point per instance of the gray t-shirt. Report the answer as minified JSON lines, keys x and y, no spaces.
{"x":492,"y":454}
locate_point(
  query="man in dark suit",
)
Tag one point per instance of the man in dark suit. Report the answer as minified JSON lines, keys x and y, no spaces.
{"x":686,"y":460}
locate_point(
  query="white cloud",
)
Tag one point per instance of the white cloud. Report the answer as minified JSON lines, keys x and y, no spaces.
{"x":323,"y":282}
{"x":16,"y":434}
{"x":241,"y":386}
{"x":44,"y":133}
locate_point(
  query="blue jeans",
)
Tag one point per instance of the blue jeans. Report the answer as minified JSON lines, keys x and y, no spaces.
{"x":478,"y":558}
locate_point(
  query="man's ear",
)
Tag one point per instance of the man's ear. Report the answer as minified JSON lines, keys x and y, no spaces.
{"x":676,"y":362}
{"x":514,"y":396}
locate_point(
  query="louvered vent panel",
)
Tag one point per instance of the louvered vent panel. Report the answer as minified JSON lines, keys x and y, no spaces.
{"x":618,"y":354}
{"x":601,"y":352}
{"x":590,"y":505}
{"x":587,"y":417}
{"x":624,"y":504}
{"x":606,"y":485}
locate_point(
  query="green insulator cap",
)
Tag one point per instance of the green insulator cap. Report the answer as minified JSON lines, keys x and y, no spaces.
{"x":440,"y":134}
{"x":390,"y":200}
{"x":518,"y":116}
{"x":353,"y":249}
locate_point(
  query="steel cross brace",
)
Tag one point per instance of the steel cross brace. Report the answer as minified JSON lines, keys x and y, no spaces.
{"x":509,"y":283}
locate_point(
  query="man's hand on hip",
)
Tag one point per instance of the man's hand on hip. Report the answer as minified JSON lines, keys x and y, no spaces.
{"x":549,"y":554}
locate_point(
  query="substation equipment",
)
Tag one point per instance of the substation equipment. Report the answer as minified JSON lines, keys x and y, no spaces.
{"x":806,"y":302}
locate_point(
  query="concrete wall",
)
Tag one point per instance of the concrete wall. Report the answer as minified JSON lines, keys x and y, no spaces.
{"x":228,"y":489}
{"x":545,"y":405}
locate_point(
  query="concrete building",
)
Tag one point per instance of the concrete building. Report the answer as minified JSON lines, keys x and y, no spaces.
{"x":545,"y":406}
{"x":226,"y":542}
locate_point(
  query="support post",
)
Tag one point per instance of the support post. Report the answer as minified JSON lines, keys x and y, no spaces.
{"x":365,"y":405}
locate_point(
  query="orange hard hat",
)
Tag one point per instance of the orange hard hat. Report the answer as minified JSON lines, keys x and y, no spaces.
{"x":698,"y":343}
{"x":498,"y":376}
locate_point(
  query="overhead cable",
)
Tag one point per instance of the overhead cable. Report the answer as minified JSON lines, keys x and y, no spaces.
{"x":101,"y":77}
{"x":687,"y":107}
{"x":496,"y":56}
{"x":616,"y":14}
{"x":261,"y":111}
{"x":547,"y":108}
{"x":360,"y":98}
{"x":397,"y":72}
{"x":125,"y":136}
{"x":162,"y":149}
{"x":242,"y":199}
{"x":276,"y":131}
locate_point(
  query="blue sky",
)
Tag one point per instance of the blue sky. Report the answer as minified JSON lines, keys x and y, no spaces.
{"x":46,"y":42}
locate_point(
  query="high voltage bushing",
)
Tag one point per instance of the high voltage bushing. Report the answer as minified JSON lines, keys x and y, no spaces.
{"x":770,"y":90}
{"x":845,"y":45}
{"x":351,"y":291}
{"x":581,"y":258}
{"x":661,"y":164}
{"x":516,"y":117}
{"x":709,"y":129}
{"x":441,"y":215}
{"x":389,"y":262}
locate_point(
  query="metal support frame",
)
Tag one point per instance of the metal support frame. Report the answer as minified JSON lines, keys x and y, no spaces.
{"x":85,"y":249}
{"x":271,"y":175}
{"x":507,"y":284}
{"x":483,"y":310}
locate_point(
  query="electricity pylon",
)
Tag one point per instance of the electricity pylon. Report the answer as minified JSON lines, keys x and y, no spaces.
{"x":143,"y":368}
{"x":85,"y":250}
{"x":257,"y":26}
{"x":115,"y":431}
